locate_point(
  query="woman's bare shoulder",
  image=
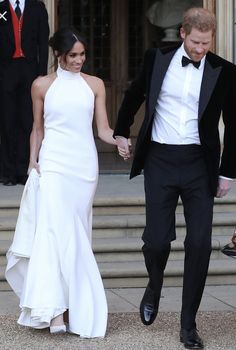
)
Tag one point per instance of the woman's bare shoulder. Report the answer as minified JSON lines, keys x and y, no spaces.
{"x":95,"y":83}
{"x":42,"y":83}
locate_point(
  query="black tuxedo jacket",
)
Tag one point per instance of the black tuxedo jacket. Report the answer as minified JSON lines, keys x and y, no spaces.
{"x":34,"y":36}
{"x":217,"y":95}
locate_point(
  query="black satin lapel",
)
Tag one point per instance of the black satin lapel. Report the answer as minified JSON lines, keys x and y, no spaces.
{"x":160,"y":67}
{"x":210,"y":76}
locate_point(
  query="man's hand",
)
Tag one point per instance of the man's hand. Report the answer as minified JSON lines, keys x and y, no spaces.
{"x":124,"y":147}
{"x":224,"y":186}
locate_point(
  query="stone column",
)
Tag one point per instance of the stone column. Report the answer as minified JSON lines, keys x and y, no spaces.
{"x":225,"y":34}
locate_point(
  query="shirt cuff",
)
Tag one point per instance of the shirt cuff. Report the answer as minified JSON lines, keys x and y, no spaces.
{"x":120,"y":137}
{"x":226,"y":178}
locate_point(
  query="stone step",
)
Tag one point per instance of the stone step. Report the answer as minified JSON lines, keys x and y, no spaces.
{"x":130,"y":249}
{"x":118,"y":225}
{"x":129,"y":232}
{"x":4,"y":245}
{"x":8,"y":222}
{"x":115,"y":205}
{"x":133,"y":274}
{"x":111,"y":221}
{"x":173,"y":268}
{"x":223,"y":230}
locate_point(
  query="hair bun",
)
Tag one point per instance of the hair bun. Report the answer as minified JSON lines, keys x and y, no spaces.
{"x":64,"y":39}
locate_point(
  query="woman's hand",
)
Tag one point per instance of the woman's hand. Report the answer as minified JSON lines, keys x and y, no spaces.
{"x":33,"y":165}
{"x":124,"y":147}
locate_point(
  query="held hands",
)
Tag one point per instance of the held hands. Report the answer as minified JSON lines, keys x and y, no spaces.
{"x":224,"y":186}
{"x":124,"y":147}
{"x":33,"y":165}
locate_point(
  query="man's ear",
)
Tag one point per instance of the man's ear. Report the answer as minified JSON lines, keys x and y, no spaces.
{"x":182,"y":33}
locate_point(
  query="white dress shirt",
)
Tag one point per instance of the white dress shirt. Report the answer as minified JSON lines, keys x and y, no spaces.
{"x":21,"y":4}
{"x":176,"y":111}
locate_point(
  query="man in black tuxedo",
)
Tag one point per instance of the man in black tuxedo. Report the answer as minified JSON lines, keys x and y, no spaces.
{"x":186,"y":88}
{"x":24,"y":35}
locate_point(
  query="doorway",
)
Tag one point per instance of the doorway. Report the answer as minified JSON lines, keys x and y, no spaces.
{"x":118,"y":32}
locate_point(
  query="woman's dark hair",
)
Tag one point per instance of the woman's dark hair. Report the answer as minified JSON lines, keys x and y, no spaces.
{"x":64,"y":39}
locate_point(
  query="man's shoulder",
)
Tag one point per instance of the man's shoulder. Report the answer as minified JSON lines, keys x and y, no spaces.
{"x":37,"y":3}
{"x":150,"y":54}
{"x":4,"y":4}
{"x":162,"y":49}
{"x":169,"y":48}
{"x":216,"y":60}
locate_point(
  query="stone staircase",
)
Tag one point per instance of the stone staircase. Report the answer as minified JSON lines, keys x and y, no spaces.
{"x":117,"y":229}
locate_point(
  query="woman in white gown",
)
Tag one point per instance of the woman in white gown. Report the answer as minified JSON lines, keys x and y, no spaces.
{"x":51,"y":266}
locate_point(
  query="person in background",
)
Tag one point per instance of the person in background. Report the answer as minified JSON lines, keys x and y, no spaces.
{"x":186,"y":88}
{"x":24,"y":33}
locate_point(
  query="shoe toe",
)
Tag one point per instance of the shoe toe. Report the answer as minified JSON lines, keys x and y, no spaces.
{"x":9,"y":181}
{"x":191,"y":339}
{"x":57,"y":329}
{"x":229,"y":250}
{"x":149,"y":307}
{"x":149,"y":314}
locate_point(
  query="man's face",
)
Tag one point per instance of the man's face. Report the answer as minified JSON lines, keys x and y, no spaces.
{"x":196,"y":43}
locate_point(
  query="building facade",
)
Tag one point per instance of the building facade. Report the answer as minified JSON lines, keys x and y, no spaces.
{"x":119,"y":31}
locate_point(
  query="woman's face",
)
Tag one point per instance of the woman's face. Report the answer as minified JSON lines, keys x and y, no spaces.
{"x":75,"y":58}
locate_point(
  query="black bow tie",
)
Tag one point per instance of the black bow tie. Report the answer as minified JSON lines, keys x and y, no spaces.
{"x":186,"y":61}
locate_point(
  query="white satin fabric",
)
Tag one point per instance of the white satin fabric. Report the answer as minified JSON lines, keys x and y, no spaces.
{"x":51,"y":266}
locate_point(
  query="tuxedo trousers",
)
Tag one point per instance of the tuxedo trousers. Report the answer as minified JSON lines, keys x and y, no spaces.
{"x":172,"y":172}
{"x":16,"y":77}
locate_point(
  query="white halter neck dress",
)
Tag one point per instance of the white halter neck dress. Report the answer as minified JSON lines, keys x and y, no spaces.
{"x":51,"y":266}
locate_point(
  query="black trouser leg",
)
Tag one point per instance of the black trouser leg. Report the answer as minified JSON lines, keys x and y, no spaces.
{"x":17,"y":116}
{"x":24,"y":128}
{"x":9,"y":135}
{"x":155,"y":262}
{"x":198,"y":210}
{"x":161,"y":201}
{"x":172,"y":171}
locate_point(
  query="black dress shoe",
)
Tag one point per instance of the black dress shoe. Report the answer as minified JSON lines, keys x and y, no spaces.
{"x":21,"y":180}
{"x":230,"y":249}
{"x":149,"y":306}
{"x":191,"y":339}
{"x":9,"y":181}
